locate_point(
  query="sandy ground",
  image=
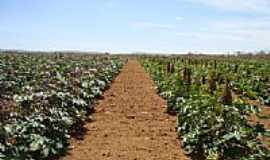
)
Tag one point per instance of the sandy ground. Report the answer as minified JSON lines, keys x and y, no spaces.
{"x":130,"y":123}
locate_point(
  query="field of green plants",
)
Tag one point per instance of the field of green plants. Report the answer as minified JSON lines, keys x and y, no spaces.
{"x":46,"y":98}
{"x":210,"y":96}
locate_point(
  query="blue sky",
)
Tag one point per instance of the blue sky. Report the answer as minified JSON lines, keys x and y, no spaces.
{"x":135,"y":25}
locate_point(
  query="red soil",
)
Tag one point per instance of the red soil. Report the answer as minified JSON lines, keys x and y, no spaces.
{"x":130,"y":123}
{"x":6,"y":107}
{"x":265,"y":111}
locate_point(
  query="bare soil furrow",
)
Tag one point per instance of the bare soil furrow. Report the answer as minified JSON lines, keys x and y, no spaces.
{"x":129,"y":123}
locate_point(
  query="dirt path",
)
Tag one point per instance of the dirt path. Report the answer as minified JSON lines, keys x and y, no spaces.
{"x":130,"y":123}
{"x":265,"y":111}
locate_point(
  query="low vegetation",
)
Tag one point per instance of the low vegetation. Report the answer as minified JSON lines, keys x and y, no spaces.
{"x":44,"y":99}
{"x":214,"y":124}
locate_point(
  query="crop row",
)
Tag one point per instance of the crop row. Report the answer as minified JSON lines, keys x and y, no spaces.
{"x":44,"y":99}
{"x":212,"y":123}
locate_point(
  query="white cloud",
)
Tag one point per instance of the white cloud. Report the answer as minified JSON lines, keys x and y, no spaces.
{"x":233,"y":34}
{"x":244,"y":24}
{"x":257,"y":29}
{"x":209,"y":36}
{"x":179,"y":18}
{"x":260,"y":6}
{"x":151,"y":25}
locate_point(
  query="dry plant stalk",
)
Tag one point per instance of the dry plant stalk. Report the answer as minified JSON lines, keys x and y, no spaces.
{"x":226,"y":98}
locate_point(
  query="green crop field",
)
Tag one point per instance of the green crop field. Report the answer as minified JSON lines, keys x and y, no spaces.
{"x":211,"y":96}
{"x":220,"y":105}
{"x":46,"y":98}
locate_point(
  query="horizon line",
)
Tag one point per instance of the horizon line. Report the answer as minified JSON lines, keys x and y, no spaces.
{"x":133,"y":52}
